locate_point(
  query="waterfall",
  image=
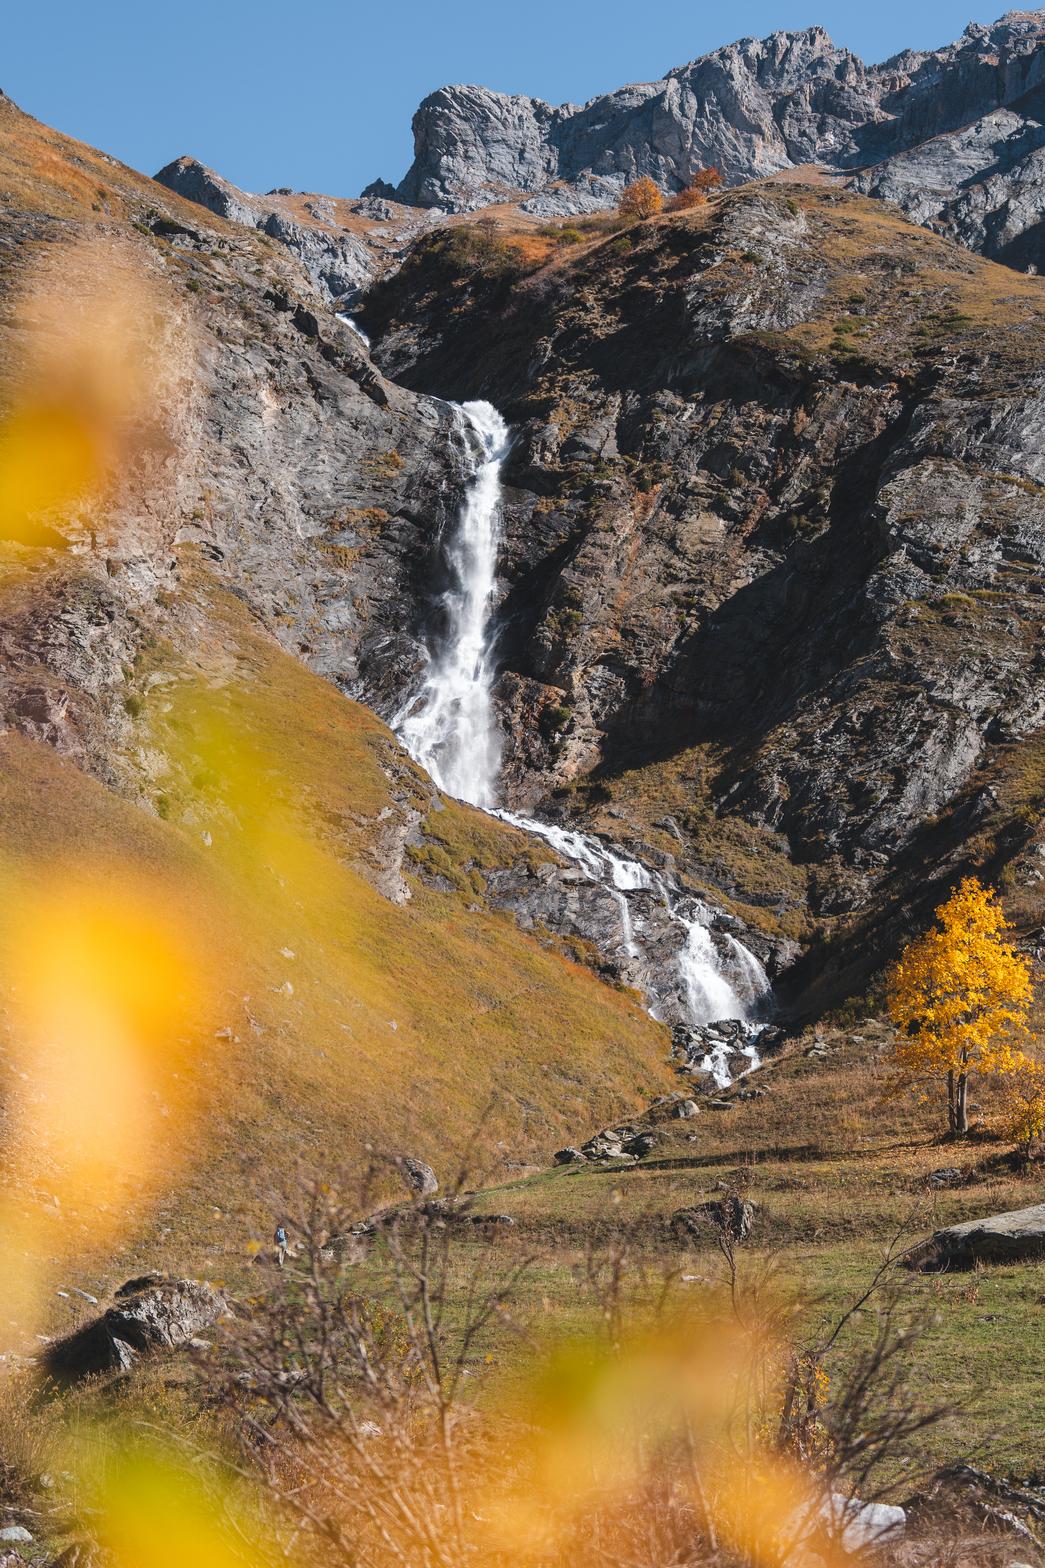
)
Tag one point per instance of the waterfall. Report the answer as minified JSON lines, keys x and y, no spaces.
{"x":353,"y":325}
{"x":449,"y":726}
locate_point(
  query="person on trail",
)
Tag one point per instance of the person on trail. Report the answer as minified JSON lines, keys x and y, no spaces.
{"x":281,"y":1245}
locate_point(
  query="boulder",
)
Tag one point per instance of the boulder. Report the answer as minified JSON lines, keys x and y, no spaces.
{"x":731,"y":1216}
{"x":684,"y":1110}
{"x":641,"y":1144}
{"x":419,"y":1177}
{"x":999,"y":1238}
{"x":151,"y":1313}
{"x":568,"y":1156}
{"x":604,"y":1146}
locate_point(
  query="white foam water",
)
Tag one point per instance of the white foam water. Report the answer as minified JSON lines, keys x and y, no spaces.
{"x":449,"y":725}
{"x":354,"y":327}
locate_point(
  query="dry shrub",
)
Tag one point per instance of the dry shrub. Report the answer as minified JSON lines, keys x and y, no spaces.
{"x":685,"y":1427}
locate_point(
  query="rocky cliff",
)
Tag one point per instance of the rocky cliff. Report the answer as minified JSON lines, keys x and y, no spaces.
{"x":954,"y":135}
{"x":342,"y":245}
{"x":772,"y":594}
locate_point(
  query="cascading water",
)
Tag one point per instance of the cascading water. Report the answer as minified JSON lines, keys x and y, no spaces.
{"x":449,"y":726}
{"x":354,"y":327}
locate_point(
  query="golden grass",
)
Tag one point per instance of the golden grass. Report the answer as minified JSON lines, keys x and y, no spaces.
{"x":341,"y":1018}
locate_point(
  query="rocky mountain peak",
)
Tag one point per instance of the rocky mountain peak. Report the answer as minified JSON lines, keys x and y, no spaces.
{"x":760,"y":107}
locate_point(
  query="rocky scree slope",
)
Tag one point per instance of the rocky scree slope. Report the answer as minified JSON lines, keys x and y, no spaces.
{"x":955,"y":135}
{"x":773,"y":592}
{"x":280,"y":472}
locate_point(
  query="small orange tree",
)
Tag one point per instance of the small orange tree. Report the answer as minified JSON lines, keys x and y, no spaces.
{"x":697,"y":191}
{"x":640,"y":199}
{"x":959,"y":996}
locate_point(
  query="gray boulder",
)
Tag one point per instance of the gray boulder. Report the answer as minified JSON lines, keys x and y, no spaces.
{"x":568,"y":1156}
{"x":731,"y":1216}
{"x":641,"y":1144}
{"x":419,"y":1177}
{"x":1000,"y":1238}
{"x":151,"y":1313}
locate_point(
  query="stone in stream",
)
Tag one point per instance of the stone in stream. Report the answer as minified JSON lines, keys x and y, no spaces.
{"x":998,"y":1238}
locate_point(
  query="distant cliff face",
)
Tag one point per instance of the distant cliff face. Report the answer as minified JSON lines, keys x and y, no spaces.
{"x":954,"y":135}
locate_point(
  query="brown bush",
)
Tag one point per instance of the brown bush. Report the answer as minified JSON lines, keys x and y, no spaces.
{"x":697,"y":191}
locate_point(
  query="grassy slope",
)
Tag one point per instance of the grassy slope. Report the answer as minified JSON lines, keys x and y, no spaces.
{"x":415,"y":1027}
{"x":839,"y":1172}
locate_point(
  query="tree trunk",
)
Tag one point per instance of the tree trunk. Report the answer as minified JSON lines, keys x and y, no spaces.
{"x":961,"y":1106}
{"x":952,"y":1118}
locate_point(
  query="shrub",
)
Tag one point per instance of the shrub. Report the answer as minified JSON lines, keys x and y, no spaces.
{"x":640,"y":199}
{"x":697,"y":191}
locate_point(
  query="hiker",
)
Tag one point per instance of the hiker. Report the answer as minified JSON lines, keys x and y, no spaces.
{"x":281,"y":1245}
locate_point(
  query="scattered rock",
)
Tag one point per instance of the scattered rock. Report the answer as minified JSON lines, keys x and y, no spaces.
{"x":733,"y":1216}
{"x":946,"y":1176}
{"x":999,"y":1238}
{"x":419,"y":1177}
{"x":641,"y":1144}
{"x":568,"y":1156}
{"x":159,"y":1314}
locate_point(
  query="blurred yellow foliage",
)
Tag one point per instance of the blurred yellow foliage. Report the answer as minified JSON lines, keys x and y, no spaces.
{"x":153,"y":1512}
{"x":88,"y":392}
{"x":106,"y":993}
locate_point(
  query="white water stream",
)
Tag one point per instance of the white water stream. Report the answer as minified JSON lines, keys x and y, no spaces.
{"x":449,"y":726}
{"x":354,"y":327}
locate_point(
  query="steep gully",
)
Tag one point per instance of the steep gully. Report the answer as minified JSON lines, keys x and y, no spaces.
{"x":448,"y":723}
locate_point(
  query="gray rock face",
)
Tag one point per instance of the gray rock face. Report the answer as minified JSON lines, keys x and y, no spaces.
{"x":340,"y":264}
{"x":953,"y":135}
{"x":763,"y":501}
{"x":1000,"y":1238}
{"x":983,"y":185}
{"x":149,"y":1314}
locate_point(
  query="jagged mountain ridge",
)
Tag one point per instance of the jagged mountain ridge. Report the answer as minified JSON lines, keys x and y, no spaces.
{"x":953,"y":135}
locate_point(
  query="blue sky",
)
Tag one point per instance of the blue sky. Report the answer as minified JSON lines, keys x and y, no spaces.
{"x":319,"y":96}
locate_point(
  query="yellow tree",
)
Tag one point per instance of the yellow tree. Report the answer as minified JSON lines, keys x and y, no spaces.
{"x":959,"y":997}
{"x":640,"y":199}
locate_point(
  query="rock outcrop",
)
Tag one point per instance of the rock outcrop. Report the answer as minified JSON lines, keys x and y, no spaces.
{"x":148,"y":1314}
{"x":954,"y":134}
{"x":342,"y":245}
{"x":999,"y":1238}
